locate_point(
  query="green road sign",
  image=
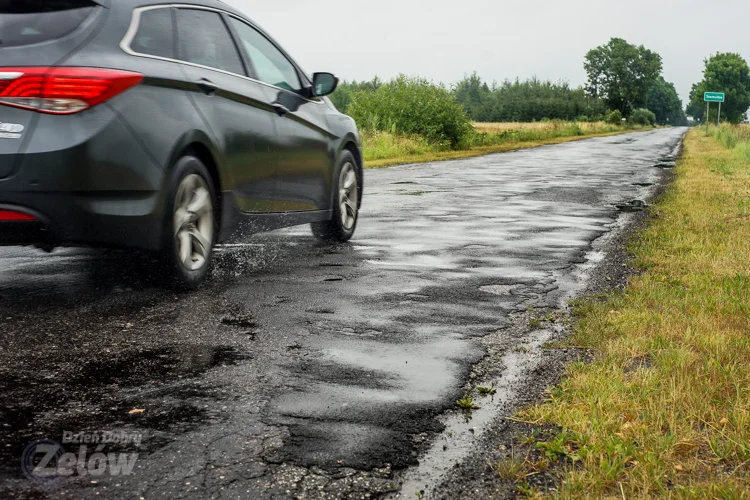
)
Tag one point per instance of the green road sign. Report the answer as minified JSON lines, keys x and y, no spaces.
{"x":713,"y":97}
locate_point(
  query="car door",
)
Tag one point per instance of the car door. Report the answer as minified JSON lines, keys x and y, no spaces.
{"x":305,"y":155}
{"x":236,"y":108}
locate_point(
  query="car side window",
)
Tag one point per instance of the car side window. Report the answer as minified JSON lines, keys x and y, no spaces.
{"x":270,"y":64}
{"x":155,"y":35}
{"x":204,"y":39}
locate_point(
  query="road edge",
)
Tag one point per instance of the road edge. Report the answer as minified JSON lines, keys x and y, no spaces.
{"x":476,"y":477}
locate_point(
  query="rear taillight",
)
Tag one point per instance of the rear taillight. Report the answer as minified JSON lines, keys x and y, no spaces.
{"x":13,"y":216}
{"x":62,"y":91}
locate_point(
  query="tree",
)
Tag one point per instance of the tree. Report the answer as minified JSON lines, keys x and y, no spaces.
{"x":622,"y":74}
{"x":727,"y":73}
{"x":665,"y":103}
{"x":696,"y":107}
{"x":475,"y":96}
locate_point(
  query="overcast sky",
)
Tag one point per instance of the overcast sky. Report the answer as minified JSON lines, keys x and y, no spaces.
{"x":444,"y":40}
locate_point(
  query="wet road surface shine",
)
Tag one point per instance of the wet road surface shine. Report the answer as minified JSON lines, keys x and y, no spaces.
{"x":304,"y":369}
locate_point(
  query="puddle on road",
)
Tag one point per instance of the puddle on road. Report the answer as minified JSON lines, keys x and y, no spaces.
{"x":499,"y":289}
{"x":462,"y":432}
{"x":376,"y":384}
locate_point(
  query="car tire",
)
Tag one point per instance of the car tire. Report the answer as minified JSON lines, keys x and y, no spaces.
{"x":347,"y":198}
{"x":190,"y":225}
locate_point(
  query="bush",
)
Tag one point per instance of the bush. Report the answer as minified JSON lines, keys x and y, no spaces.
{"x":412,"y":106}
{"x":523,"y":101}
{"x":643,"y":117}
{"x":614,"y":117}
{"x":343,"y":94}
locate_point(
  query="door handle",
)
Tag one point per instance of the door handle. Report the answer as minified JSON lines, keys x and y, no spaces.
{"x":280,"y":109}
{"x":207,"y":86}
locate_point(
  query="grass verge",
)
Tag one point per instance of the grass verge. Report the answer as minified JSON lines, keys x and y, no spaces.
{"x":664,"y":408}
{"x":385,"y":149}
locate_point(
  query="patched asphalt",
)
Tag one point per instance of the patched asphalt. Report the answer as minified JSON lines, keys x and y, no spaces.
{"x":315,"y":371}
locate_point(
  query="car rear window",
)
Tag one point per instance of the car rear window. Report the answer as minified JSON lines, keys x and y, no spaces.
{"x":155,"y":34}
{"x":33,"y":21}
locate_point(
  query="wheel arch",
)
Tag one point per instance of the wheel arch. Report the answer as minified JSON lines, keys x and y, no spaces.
{"x":352,"y":145}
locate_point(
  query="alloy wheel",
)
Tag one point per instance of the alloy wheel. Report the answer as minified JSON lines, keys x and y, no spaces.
{"x":348,"y":196}
{"x":193,"y":222}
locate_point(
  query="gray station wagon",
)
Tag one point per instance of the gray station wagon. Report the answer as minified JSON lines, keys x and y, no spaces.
{"x":166,"y":128}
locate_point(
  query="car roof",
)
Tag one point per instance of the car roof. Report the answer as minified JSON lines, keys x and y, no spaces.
{"x":216,"y":4}
{"x":134,"y":4}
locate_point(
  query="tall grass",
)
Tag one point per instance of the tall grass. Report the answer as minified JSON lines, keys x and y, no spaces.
{"x":734,"y":137}
{"x":496,"y":133}
{"x":385,"y":148}
{"x":385,"y":145}
{"x":663,"y":411}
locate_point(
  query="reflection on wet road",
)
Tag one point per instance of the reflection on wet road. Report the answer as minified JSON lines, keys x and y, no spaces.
{"x":303,"y":369}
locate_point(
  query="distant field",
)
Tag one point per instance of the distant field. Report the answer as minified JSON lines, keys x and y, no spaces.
{"x":496,"y":128}
{"x":383,"y":149}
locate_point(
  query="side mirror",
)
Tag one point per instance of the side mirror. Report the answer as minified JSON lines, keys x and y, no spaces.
{"x":324,"y":84}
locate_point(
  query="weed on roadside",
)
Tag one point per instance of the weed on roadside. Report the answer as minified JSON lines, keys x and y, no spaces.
{"x":467,"y":403}
{"x":487,"y":391}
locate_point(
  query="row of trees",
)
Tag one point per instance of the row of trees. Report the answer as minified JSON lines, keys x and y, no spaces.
{"x":510,"y":101}
{"x":622,"y":79}
{"x":534,"y":100}
{"x":629,"y":77}
{"x":530,"y":100}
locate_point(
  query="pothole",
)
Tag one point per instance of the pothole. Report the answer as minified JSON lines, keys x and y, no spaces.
{"x":240,"y":321}
{"x":135,"y":368}
{"x":632,"y":206}
{"x":498,"y":289}
{"x":351,"y":332}
{"x":666,"y":164}
{"x":320,"y":311}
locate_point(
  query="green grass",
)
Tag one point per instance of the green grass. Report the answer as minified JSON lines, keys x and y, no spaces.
{"x":664,"y":408}
{"x":734,"y":137}
{"x":487,"y":391}
{"x":467,"y":403}
{"x":383,"y":149}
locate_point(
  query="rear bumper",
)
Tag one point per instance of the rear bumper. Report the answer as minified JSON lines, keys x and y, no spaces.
{"x":88,"y":181}
{"x":113,"y":220}
{"x":24,"y":233}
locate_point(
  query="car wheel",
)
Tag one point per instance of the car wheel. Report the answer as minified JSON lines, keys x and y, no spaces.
{"x":346,"y":207}
{"x":190,"y":225}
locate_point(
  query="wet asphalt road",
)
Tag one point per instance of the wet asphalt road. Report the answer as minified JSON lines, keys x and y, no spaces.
{"x":304,"y":370}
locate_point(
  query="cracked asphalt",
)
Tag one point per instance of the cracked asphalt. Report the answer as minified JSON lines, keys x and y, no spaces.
{"x":303,"y":370}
